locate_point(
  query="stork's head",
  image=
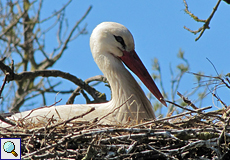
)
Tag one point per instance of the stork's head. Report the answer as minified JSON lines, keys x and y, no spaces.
{"x":115,"y":39}
{"x":111,"y":37}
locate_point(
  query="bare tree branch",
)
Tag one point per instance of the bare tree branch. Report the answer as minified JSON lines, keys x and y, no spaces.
{"x":57,"y":12}
{"x":54,"y":73}
{"x":22,"y":34}
{"x":101,"y":98}
{"x":50,"y":62}
{"x":13,"y":24}
{"x":206,"y":22}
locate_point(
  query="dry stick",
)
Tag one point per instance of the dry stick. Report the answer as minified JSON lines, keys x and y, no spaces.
{"x":66,"y":121}
{"x":90,"y":151}
{"x":186,"y":100}
{"x":115,"y":108}
{"x":47,"y":147}
{"x":27,"y":144}
{"x":135,"y":134}
{"x":63,"y":139}
{"x":7,"y":121}
{"x":194,"y":111}
{"x":222,"y":135}
{"x":75,"y":117}
{"x":135,"y":154}
{"x":167,"y":118}
{"x":143,"y":151}
{"x":131,"y":147}
{"x":40,"y":108}
{"x":162,"y":153}
{"x":218,"y":77}
{"x":97,"y":132}
{"x":192,"y":145}
{"x":218,"y":99}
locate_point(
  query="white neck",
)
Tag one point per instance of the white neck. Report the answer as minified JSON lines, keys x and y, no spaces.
{"x":123,"y":85}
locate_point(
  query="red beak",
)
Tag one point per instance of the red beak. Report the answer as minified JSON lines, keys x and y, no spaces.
{"x":133,"y":62}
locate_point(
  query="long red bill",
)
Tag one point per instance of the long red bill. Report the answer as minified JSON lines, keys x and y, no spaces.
{"x":133,"y":62}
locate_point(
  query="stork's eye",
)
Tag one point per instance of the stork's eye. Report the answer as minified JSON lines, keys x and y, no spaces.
{"x":121,"y":41}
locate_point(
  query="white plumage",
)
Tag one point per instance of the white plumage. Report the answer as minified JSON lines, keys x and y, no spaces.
{"x":111,"y":44}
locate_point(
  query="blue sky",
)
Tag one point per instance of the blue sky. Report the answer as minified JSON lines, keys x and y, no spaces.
{"x":157,"y":27}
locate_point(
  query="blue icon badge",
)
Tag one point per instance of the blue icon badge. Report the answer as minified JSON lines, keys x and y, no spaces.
{"x":9,"y":147}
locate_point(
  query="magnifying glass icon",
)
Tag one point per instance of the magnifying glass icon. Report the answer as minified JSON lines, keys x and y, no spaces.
{"x":9,"y":147}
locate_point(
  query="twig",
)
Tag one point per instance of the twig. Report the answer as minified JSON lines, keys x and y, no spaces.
{"x":206,"y":22}
{"x":64,"y":122}
{"x":13,"y":23}
{"x":186,"y":100}
{"x":7,"y":121}
{"x":167,"y":118}
{"x":191,"y":15}
{"x":3,"y":85}
{"x":115,"y":109}
{"x":49,"y":63}
{"x":38,"y":109}
{"x":162,"y":153}
{"x":193,"y":111}
{"x":98,"y":78}
{"x":49,"y":73}
{"x":213,"y":66}
{"x":73,"y":118}
{"x":222,"y":135}
{"x":131,"y":147}
{"x":56,"y":13}
{"x":90,"y":151}
{"x":219,"y":99}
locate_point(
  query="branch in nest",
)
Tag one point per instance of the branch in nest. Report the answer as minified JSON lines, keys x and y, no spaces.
{"x":178,"y":115}
{"x":7,"y":121}
{"x":79,"y":140}
{"x":186,"y":100}
{"x":224,"y":81}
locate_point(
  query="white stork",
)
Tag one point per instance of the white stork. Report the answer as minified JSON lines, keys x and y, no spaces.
{"x":111,"y":44}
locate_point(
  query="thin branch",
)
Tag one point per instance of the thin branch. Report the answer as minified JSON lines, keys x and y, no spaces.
{"x":167,"y":118}
{"x":13,"y":24}
{"x":115,"y":109}
{"x":56,"y":13}
{"x":99,"y":78}
{"x":206,"y":22}
{"x":49,"y":63}
{"x":186,"y":100}
{"x":7,"y":121}
{"x":3,"y":85}
{"x":191,"y":14}
{"x":50,"y":73}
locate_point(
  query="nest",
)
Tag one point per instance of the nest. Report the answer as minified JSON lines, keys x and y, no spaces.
{"x":194,"y":134}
